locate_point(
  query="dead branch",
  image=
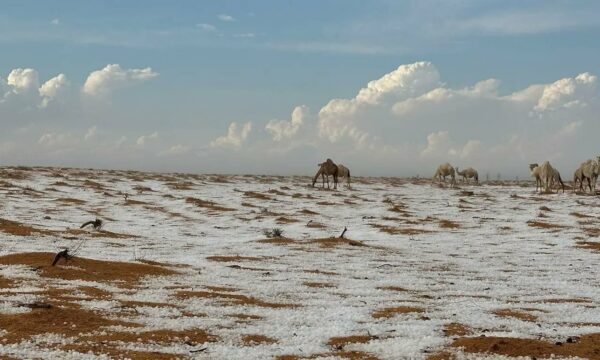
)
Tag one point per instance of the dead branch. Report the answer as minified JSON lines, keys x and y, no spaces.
{"x":343,"y":232}
{"x":95,"y":223}
{"x":61,"y":254}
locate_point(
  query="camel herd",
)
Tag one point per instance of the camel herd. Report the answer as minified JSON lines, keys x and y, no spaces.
{"x":546,"y":176}
{"x":330,"y":168}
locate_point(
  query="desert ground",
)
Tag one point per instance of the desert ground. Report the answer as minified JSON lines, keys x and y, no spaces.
{"x":253,"y":267}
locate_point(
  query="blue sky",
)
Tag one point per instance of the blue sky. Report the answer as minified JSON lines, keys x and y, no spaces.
{"x":214,"y":63}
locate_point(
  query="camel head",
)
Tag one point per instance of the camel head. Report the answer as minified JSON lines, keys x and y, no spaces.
{"x":533,"y":166}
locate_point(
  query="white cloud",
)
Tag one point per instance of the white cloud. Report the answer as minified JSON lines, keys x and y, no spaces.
{"x":53,"y":89}
{"x":144,"y":139}
{"x":235,"y":137}
{"x":226,"y":18}
{"x":281,"y":130}
{"x":102,"y":82}
{"x":23,"y":80}
{"x":567,"y":92}
{"x":58,"y":140}
{"x":437,"y":144}
{"x":340,"y":118}
{"x":175,"y":150}
{"x":90,"y":133}
{"x":206,"y":27}
{"x":55,"y":21}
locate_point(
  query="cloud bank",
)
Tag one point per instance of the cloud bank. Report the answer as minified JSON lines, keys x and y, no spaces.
{"x":403,"y":123}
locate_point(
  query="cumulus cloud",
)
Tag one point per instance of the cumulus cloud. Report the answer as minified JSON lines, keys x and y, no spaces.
{"x":101,"y":83}
{"x":567,"y":92}
{"x":144,"y":139}
{"x":281,"y":130}
{"x":343,"y":118}
{"x":23,"y":80}
{"x":235,"y":137}
{"x":53,"y":89}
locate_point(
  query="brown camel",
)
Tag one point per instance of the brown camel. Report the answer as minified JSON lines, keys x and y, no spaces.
{"x":325,"y":169}
{"x":445,"y":170}
{"x":468,"y":174}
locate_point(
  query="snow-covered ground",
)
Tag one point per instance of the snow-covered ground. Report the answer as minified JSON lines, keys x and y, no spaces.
{"x":447,"y":256}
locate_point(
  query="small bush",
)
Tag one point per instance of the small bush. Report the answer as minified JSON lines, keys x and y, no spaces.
{"x":273,"y":233}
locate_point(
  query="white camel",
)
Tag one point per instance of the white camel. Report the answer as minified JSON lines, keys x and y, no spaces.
{"x":550,"y":176}
{"x":536,"y":174}
{"x":445,"y":170}
{"x":467,"y":174}
{"x":588,"y":170}
{"x":344,"y":172}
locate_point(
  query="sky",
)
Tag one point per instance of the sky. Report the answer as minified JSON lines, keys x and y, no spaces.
{"x":387,"y":88}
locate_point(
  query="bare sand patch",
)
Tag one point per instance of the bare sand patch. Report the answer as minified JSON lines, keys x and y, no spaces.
{"x":586,"y":346}
{"x":209,"y":205}
{"x":233,"y":258}
{"x":236,"y":299}
{"x":257,"y":339}
{"x":77,"y":268}
{"x":393,"y":311}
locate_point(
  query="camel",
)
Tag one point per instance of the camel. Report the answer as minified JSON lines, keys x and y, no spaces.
{"x":344,"y":172}
{"x":468,"y":173}
{"x":325,"y":169}
{"x":445,"y":170}
{"x":578,"y":177}
{"x":588,"y":170}
{"x":549,"y":176}
{"x":536,"y":173}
